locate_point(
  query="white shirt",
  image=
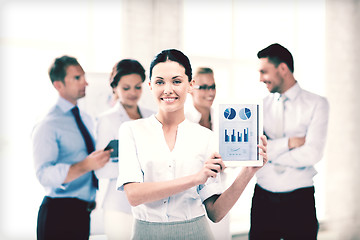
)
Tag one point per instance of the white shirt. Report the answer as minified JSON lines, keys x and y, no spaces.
{"x":305,"y":114}
{"x":108,"y":124}
{"x":220,"y":230}
{"x":193,"y":114}
{"x":144,"y":156}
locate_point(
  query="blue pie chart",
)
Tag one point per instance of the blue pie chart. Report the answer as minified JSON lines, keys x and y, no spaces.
{"x":229,"y":113}
{"x":245,"y":113}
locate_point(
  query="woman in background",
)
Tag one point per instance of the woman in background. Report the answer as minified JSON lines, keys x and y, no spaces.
{"x":199,"y":108}
{"x":169,"y":167}
{"x":126,"y":81}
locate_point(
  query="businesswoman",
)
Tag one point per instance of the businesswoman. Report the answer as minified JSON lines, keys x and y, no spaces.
{"x":168,"y":166}
{"x":126,"y":81}
{"x":199,"y":108}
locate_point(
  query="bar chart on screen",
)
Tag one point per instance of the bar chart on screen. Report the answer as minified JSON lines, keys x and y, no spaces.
{"x":238,"y":131}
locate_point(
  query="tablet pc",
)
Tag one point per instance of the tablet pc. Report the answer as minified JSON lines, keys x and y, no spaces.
{"x":240,"y":126}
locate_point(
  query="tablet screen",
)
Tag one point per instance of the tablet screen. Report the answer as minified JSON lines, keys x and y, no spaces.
{"x":240,"y":127}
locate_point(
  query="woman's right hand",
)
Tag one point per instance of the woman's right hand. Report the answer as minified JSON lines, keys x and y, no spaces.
{"x":212,"y":167}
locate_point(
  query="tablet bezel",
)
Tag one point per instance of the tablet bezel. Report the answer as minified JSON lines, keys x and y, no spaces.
{"x":242,"y":103}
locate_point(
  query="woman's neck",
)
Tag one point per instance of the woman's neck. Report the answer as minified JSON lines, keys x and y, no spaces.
{"x":169,"y":119}
{"x":205,"y":119}
{"x":170,"y":122}
{"x":132,"y":111}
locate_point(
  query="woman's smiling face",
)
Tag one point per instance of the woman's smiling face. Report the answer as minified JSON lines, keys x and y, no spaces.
{"x":170,"y":86}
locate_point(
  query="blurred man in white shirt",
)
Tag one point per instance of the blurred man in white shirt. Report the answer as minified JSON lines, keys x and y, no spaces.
{"x":295,"y":122}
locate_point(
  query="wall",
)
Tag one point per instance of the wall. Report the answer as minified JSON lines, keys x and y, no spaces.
{"x":342,"y":90}
{"x":33,"y":33}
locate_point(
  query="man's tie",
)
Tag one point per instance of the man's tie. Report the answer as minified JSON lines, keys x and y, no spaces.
{"x":87,"y":138}
{"x":279,"y":111}
{"x":279,"y":126}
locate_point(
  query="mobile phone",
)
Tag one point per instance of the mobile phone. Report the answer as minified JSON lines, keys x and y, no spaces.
{"x":113,"y":144}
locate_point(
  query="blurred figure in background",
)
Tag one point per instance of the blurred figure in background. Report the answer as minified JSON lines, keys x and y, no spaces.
{"x":295,"y":122}
{"x":199,"y":109}
{"x":126,"y":81}
{"x":65,"y":160}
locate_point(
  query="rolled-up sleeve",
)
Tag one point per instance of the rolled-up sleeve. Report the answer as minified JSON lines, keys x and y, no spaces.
{"x":129,"y":165}
{"x":45,"y":153}
{"x":212,"y":187}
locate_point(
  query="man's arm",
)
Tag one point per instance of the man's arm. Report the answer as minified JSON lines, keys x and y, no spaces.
{"x":311,"y":151}
{"x":45,"y":153}
{"x":94,"y":161}
{"x":49,"y":171}
{"x":295,"y":142}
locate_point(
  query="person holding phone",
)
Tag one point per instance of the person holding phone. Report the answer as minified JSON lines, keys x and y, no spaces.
{"x":126,"y":80}
{"x":168,"y":166}
{"x":65,"y":160}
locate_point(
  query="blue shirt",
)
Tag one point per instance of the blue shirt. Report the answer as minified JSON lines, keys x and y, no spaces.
{"x":57,"y":144}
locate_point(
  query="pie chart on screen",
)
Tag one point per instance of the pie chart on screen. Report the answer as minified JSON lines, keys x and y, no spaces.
{"x":245,"y":113}
{"x":229,"y":113}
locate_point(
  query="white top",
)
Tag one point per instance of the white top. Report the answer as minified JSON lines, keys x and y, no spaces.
{"x":305,"y":114}
{"x":193,"y":114}
{"x":144,"y":156}
{"x":108,"y":124}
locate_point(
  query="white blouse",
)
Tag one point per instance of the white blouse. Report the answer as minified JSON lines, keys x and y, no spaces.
{"x":193,"y":114}
{"x":108,"y":124}
{"x":144,"y":156}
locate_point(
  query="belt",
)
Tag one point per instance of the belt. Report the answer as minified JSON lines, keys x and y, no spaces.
{"x":284,"y":196}
{"x":88,"y":206}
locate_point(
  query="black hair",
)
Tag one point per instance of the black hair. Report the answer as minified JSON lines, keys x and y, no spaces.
{"x":204,"y":70}
{"x":277,"y":54}
{"x":126,"y":67}
{"x":175,"y":56}
{"x":57,"y":70}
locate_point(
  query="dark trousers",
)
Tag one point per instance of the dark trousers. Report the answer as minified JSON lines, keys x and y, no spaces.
{"x":283,"y":215}
{"x":64,"y":218}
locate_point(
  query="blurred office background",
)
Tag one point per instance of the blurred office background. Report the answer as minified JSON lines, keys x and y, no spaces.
{"x":323,"y":36}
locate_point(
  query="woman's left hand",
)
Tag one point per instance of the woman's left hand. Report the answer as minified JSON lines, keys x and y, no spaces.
{"x":263,"y":148}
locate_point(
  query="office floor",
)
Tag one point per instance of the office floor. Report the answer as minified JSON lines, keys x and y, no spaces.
{"x":322,"y":235}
